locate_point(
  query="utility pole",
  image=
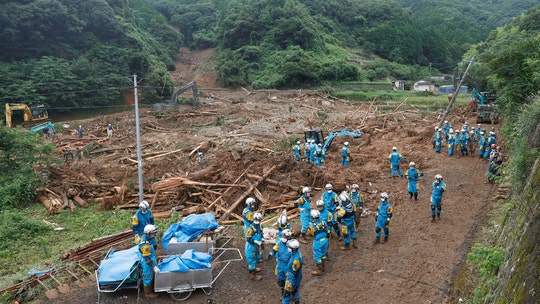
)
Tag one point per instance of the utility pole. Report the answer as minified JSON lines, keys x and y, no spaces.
{"x":454,"y":95}
{"x":138,"y":131}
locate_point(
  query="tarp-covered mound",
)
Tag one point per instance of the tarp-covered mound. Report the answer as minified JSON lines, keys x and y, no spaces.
{"x":191,"y":259}
{"x":189,"y":229}
{"x":119,"y":265}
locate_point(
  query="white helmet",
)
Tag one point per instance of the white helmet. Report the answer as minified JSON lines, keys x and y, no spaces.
{"x":446,"y":121}
{"x":149,"y":229}
{"x":319,"y":145}
{"x":286,"y":235}
{"x":328,"y":187}
{"x":481,"y":132}
{"x":491,"y":133}
{"x":394,"y":148}
{"x":466,"y":123}
{"x":298,"y":142}
{"x":451,"y":131}
{"x":306,"y":190}
{"x":282,"y":219}
{"x":346,"y":143}
{"x":250,"y":201}
{"x":293,"y":244}
{"x":343,"y":197}
{"x":257,"y":217}
{"x":144,"y":205}
{"x":355,"y":186}
{"x":412,"y":164}
{"x":319,"y":203}
{"x":315,"y":214}
{"x":384,"y":196}
{"x":472,"y":132}
{"x":438,"y":177}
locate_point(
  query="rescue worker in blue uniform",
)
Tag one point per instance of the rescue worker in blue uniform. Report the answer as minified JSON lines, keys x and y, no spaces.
{"x":438,"y":139}
{"x":312,"y":148}
{"x":439,"y":187}
{"x":384,"y":214}
{"x":282,"y":254}
{"x":331,"y":202}
{"x":492,"y":139}
{"x":464,"y":142}
{"x":447,"y":128}
{"x":319,"y":155}
{"x":283,"y":223}
{"x":318,"y":228}
{"x":200,"y":159}
{"x":247,"y":213}
{"x":294,"y":273}
{"x":296,"y":150}
{"x":253,"y":247}
{"x":304,"y":206}
{"x":345,"y":216}
{"x":481,"y":144}
{"x":345,"y":155}
{"x":149,"y":265}
{"x":140,"y":219}
{"x":395,"y":159}
{"x":306,"y":151}
{"x":412,"y":176}
{"x":356,"y":198}
{"x":451,"y":142}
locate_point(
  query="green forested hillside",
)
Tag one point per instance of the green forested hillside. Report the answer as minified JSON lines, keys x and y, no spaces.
{"x":70,"y":54}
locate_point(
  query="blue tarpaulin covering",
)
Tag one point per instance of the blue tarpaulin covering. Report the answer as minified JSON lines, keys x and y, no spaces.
{"x":189,"y":260}
{"x":118,"y":265}
{"x":189,"y":229}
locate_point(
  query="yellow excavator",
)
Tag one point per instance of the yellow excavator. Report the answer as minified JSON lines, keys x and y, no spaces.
{"x":34,"y":114}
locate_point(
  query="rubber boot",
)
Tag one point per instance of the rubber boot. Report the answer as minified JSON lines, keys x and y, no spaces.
{"x":354,"y":244}
{"x":257,"y":269}
{"x":303,"y":239}
{"x":317,"y":272}
{"x":411,"y":195}
{"x":149,"y":292}
{"x":253,"y":276}
{"x":385,"y":240}
{"x":433,"y":218}
{"x":377,"y":240}
{"x":345,"y":247}
{"x":323,"y":265}
{"x":340,"y":236}
{"x":416,"y":196}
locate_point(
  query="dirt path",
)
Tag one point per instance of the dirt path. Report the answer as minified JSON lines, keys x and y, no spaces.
{"x":417,"y":263}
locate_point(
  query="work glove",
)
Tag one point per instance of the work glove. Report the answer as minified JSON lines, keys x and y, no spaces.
{"x":288,"y":285}
{"x":388,"y":223}
{"x":257,"y":242}
{"x":137,"y":238}
{"x":156,"y":269}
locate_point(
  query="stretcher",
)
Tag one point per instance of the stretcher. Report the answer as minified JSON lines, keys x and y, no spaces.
{"x":119,"y":270}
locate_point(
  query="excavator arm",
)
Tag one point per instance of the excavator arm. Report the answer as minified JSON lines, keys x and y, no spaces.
{"x":335,"y":134}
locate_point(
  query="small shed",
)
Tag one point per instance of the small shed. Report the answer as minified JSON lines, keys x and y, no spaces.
{"x":424,"y":86}
{"x":447,"y":89}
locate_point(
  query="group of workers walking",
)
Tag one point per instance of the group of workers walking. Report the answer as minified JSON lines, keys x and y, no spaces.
{"x":316,"y":154}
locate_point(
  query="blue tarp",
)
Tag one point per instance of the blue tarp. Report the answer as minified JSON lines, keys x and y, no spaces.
{"x":189,"y":260}
{"x":118,"y":265}
{"x":189,"y":229}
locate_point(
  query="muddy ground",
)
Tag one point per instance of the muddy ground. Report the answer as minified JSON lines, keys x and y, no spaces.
{"x":416,"y":265}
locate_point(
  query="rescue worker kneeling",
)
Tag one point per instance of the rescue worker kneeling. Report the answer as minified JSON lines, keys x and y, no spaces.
{"x":147,"y":248}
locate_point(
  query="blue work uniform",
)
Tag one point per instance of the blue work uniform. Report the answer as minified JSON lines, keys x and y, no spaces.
{"x":306,"y":152}
{"x":447,"y":128}
{"x":296,"y":150}
{"x":437,"y":197}
{"x":147,"y":249}
{"x":464,"y":143}
{"x":304,"y":205}
{"x":451,"y":144}
{"x":282,"y":254}
{"x":345,"y":156}
{"x":319,"y":230}
{"x":140,"y":220}
{"x":481,"y":145}
{"x":252,"y":249}
{"x":346,"y":216}
{"x":331,"y":202}
{"x":412,"y":175}
{"x":319,"y":156}
{"x":312,"y":148}
{"x":247,"y":216}
{"x":395,"y":159}
{"x":200,"y":160}
{"x":490,"y":141}
{"x":438,"y":141}
{"x":294,"y":278}
{"x":356,"y":198}
{"x":383,"y":218}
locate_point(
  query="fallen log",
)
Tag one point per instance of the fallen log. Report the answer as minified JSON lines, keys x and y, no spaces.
{"x":245,"y":194}
{"x":81,"y":202}
{"x":179,"y":181}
